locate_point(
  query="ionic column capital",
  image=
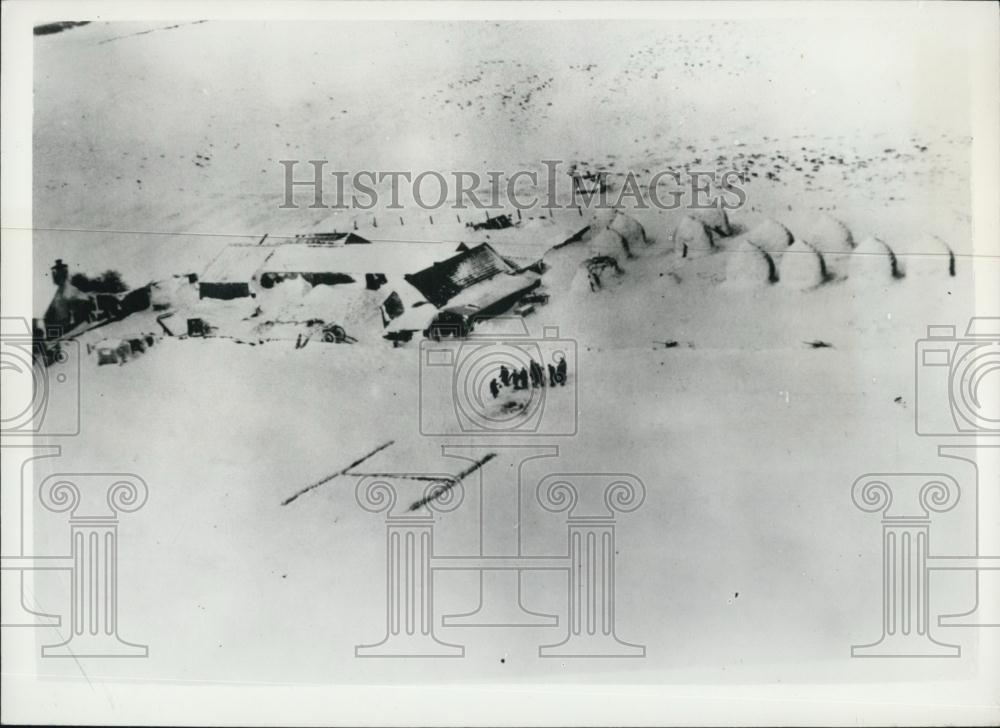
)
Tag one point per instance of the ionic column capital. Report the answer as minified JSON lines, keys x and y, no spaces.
{"x":905,"y":496}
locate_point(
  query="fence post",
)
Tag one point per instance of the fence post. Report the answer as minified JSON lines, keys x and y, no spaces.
{"x":905,"y":501}
{"x":94,"y":501}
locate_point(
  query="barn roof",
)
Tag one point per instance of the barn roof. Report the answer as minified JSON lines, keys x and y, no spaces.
{"x":333,"y":238}
{"x":442,"y":281}
{"x":390,"y":259}
{"x":485,"y":293}
{"x":524,"y":244}
{"x":236,"y":263}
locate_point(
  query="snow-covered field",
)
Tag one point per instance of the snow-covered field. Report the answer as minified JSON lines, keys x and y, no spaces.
{"x":747,"y":562}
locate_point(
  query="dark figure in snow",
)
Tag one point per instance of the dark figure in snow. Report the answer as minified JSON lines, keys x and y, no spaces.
{"x":552,"y":376}
{"x":533,"y":369}
{"x":494,"y":388}
{"x":515,"y":378}
{"x":524,"y":378}
{"x":561,"y":371}
{"x":541,"y":373}
{"x":504,"y":375}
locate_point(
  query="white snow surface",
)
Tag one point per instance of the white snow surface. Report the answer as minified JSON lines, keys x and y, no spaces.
{"x":747,"y":561}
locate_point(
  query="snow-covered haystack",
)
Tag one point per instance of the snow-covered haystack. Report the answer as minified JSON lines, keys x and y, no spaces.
{"x":714,"y":218}
{"x":873,"y":260}
{"x":928,"y":256}
{"x":581,"y":282}
{"x":940,"y":247}
{"x":802,"y":267}
{"x":608,"y":242}
{"x":749,"y":266}
{"x":692,"y":239}
{"x":771,"y":236}
{"x":630,"y":229}
{"x":601,"y":218}
{"x":829,"y":235}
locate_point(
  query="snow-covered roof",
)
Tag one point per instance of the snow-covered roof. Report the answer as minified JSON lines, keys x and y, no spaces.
{"x":236,"y":263}
{"x":441,"y":282}
{"x":332,"y":238}
{"x":390,"y":259}
{"x":442,"y":231}
{"x":490,"y":291}
{"x":414,"y":318}
{"x":525,"y":243}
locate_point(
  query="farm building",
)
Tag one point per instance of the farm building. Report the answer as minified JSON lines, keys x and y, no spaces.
{"x":524,"y":244}
{"x":367,"y":266}
{"x":228,"y":276}
{"x":443,"y":280}
{"x":334,"y":238}
{"x":475,"y":284}
{"x":413,"y":279}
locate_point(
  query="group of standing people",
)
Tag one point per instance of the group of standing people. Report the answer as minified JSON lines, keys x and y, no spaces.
{"x":533,"y":375}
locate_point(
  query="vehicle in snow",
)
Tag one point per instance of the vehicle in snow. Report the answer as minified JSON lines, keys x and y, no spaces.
{"x":525,"y":309}
{"x":535,"y":297}
{"x":455,"y":321}
{"x":334,"y":334}
{"x":113,"y":351}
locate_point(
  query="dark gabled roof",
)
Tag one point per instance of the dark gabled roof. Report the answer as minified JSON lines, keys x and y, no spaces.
{"x":331,"y":239}
{"x":442,"y":281}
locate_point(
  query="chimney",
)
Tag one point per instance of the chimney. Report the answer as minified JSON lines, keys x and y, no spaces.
{"x":60,"y":272}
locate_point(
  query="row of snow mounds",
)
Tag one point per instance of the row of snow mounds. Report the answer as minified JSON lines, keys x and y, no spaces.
{"x":804,"y":265}
{"x":756,"y":255}
{"x":800,"y":266}
{"x":615,"y":234}
{"x":827,"y":251}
